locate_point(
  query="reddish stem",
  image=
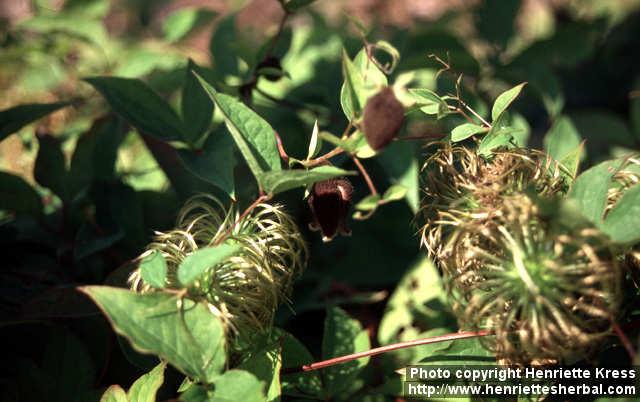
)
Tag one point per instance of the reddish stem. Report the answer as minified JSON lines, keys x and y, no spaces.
{"x":366,"y":176}
{"x":625,"y":340}
{"x":246,"y":212}
{"x":283,"y":154}
{"x":384,"y":349}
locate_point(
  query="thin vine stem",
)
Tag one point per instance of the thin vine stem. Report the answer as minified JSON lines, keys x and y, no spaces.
{"x":365,"y":174}
{"x":227,"y":233}
{"x":384,"y":349}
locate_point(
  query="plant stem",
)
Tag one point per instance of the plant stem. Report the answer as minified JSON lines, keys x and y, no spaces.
{"x":384,"y":349}
{"x":324,"y":158}
{"x":263,"y":197}
{"x":283,"y":154}
{"x":625,"y":340}
{"x":366,"y":176}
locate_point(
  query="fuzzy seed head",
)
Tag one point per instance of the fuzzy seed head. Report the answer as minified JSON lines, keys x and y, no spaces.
{"x":462,"y":187}
{"x":246,"y":288}
{"x":383,"y":118}
{"x":546,"y":292}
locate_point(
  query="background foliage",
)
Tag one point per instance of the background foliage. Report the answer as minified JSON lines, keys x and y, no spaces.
{"x":105,"y":133}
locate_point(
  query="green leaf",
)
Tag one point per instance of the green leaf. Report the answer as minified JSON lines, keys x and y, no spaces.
{"x":461,"y":352}
{"x":464,"y":131}
{"x":277,"y":182}
{"x":266,"y":364}
{"x":562,"y":138}
{"x":238,"y":385}
{"x":394,"y":193}
{"x":253,"y":135}
{"x":421,"y":284}
{"x":191,"y":338}
{"x":368,"y":203}
{"x":196,"y":263}
{"x":401,"y":164}
{"x":213,"y":163}
{"x":197,"y":107}
{"x":591,"y":187}
{"x":14,"y":118}
{"x":184,"y":20}
{"x":114,"y":393}
{"x":342,"y":335}
{"x":505,"y":99}
{"x":294,"y":5}
{"x":95,"y":154}
{"x":571,"y":161}
{"x":50,"y":169}
{"x":16,"y":195}
{"x":352,"y":96}
{"x":145,"y":388}
{"x":623,"y":221}
{"x":497,"y":137}
{"x":222,"y":47}
{"x":153,"y":269}
{"x":430,"y":102}
{"x":295,"y":354}
{"x":140,"y":105}
{"x":315,"y":144}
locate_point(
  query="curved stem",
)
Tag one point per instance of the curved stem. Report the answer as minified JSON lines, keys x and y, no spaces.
{"x":384,"y":349}
{"x":366,"y":176}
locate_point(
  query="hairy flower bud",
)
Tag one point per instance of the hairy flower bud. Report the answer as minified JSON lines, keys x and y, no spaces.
{"x":383,"y":118}
{"x":330,"y":201}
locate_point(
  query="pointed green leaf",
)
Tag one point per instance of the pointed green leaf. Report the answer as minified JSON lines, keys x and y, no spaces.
{"x":14,"y":118}
{"x":315,"y":144}
{"x":196,"y":263}
{"x":623,"y":221}
{"x":266,"y":364}
{"x":342,"y":335}
{"x":238,"y":385}
{"x":394,"y":193}
{"x":153,"y":270}
{"x":16,"y":195}
{"x":145,"y":388}
{"x":295,"y":354}
{"x":214,"y":162}
{"x":591,"y":187}
{"x":352,"y":97}
{"x":464,"y":131}
{"x":368,"y":203}
{"x":504,"y":100}
{"x":562,"y":138}
{"x":461,"y":352}
{"x":253,"y":135}
{"x":430,"y":102}
{"x":140,"y":105}
{"x":197,"y":107}
{"x":191,"y":338}
{"x":284,"y":180}
{"x":114,"y":393}
{"x":50,"y":170}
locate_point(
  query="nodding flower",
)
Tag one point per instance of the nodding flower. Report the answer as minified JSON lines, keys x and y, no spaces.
{"x":330,"y":202}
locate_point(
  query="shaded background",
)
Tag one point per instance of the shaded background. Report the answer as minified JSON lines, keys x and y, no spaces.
{"x":578,"y":57}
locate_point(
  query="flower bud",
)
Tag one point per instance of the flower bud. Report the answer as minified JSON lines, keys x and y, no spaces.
{"x":330,"y":201}
{"x":383,"y":118}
